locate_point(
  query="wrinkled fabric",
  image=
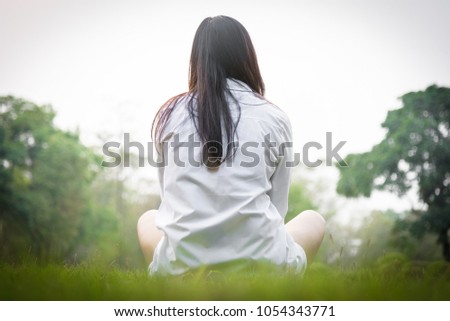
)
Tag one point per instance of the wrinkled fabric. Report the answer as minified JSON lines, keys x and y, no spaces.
{"x":235,"y":212}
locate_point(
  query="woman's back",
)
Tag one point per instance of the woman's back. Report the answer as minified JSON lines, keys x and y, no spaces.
{"x":235,"y":211}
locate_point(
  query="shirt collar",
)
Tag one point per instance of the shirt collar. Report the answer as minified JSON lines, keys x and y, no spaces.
{"x":234,"y":84}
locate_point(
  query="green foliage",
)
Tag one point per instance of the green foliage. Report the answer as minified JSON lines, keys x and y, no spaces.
{"x":56,"y":202}
{"x":393,"y":278}
{"x":416,"y":150}
{"x":299,"y":200}
{"x":375,"y":236}
{"x":45,"y":178}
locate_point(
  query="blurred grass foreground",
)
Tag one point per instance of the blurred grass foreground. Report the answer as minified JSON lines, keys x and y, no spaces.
{"x":392,"y":278}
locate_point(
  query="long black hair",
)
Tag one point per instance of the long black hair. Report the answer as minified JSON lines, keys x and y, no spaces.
{"x":222,"y":49}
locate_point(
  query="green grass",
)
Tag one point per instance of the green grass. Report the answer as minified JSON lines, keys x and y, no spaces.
{"x":390,"y":279}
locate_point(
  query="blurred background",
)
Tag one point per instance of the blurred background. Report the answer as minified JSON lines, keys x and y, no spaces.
{"x":76,"y":75}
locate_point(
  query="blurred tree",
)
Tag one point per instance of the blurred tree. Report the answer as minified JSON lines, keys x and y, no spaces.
{"x":376,"y":236}
{"x":416,"y":149}
{"x":299,"y":200}
{"x":56,"y":202}
{"x":44,"y":183}
{"x":380,"y":234}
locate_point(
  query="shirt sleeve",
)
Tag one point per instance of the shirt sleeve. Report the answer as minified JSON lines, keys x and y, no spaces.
{"x":281,"y":177}
{"x":161,"y":166}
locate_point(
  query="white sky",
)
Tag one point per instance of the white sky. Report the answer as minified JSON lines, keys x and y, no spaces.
{"x":339,"y":66}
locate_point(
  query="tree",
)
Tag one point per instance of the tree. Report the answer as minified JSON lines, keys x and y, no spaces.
{"x":415,"y":151}
{"x":45,"y":175}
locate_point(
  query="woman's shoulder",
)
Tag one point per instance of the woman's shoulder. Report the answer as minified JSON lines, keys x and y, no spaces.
{"x":266,"y":111}
{"x":253,"y":104}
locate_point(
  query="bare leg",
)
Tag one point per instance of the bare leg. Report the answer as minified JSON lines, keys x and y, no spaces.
{"x":307,"y":229}
{"x":148,"y":234}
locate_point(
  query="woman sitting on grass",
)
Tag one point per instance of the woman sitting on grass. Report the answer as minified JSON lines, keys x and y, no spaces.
{"x":226,"y":173}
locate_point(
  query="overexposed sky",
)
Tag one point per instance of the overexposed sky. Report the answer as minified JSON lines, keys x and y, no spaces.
{"x":339,"y":66}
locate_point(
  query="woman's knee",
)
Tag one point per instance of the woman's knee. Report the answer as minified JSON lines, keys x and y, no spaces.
{"x":315,"y":221}
{"x":146,"y":218}
{"x":148,"y":234}
{"x":146,"y":227}
{"x":313,"y":215}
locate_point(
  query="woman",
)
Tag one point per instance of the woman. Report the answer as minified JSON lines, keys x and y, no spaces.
{"x":225,"y":179}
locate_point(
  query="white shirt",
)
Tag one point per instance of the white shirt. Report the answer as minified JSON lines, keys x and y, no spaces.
{"x":236,"y":212}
